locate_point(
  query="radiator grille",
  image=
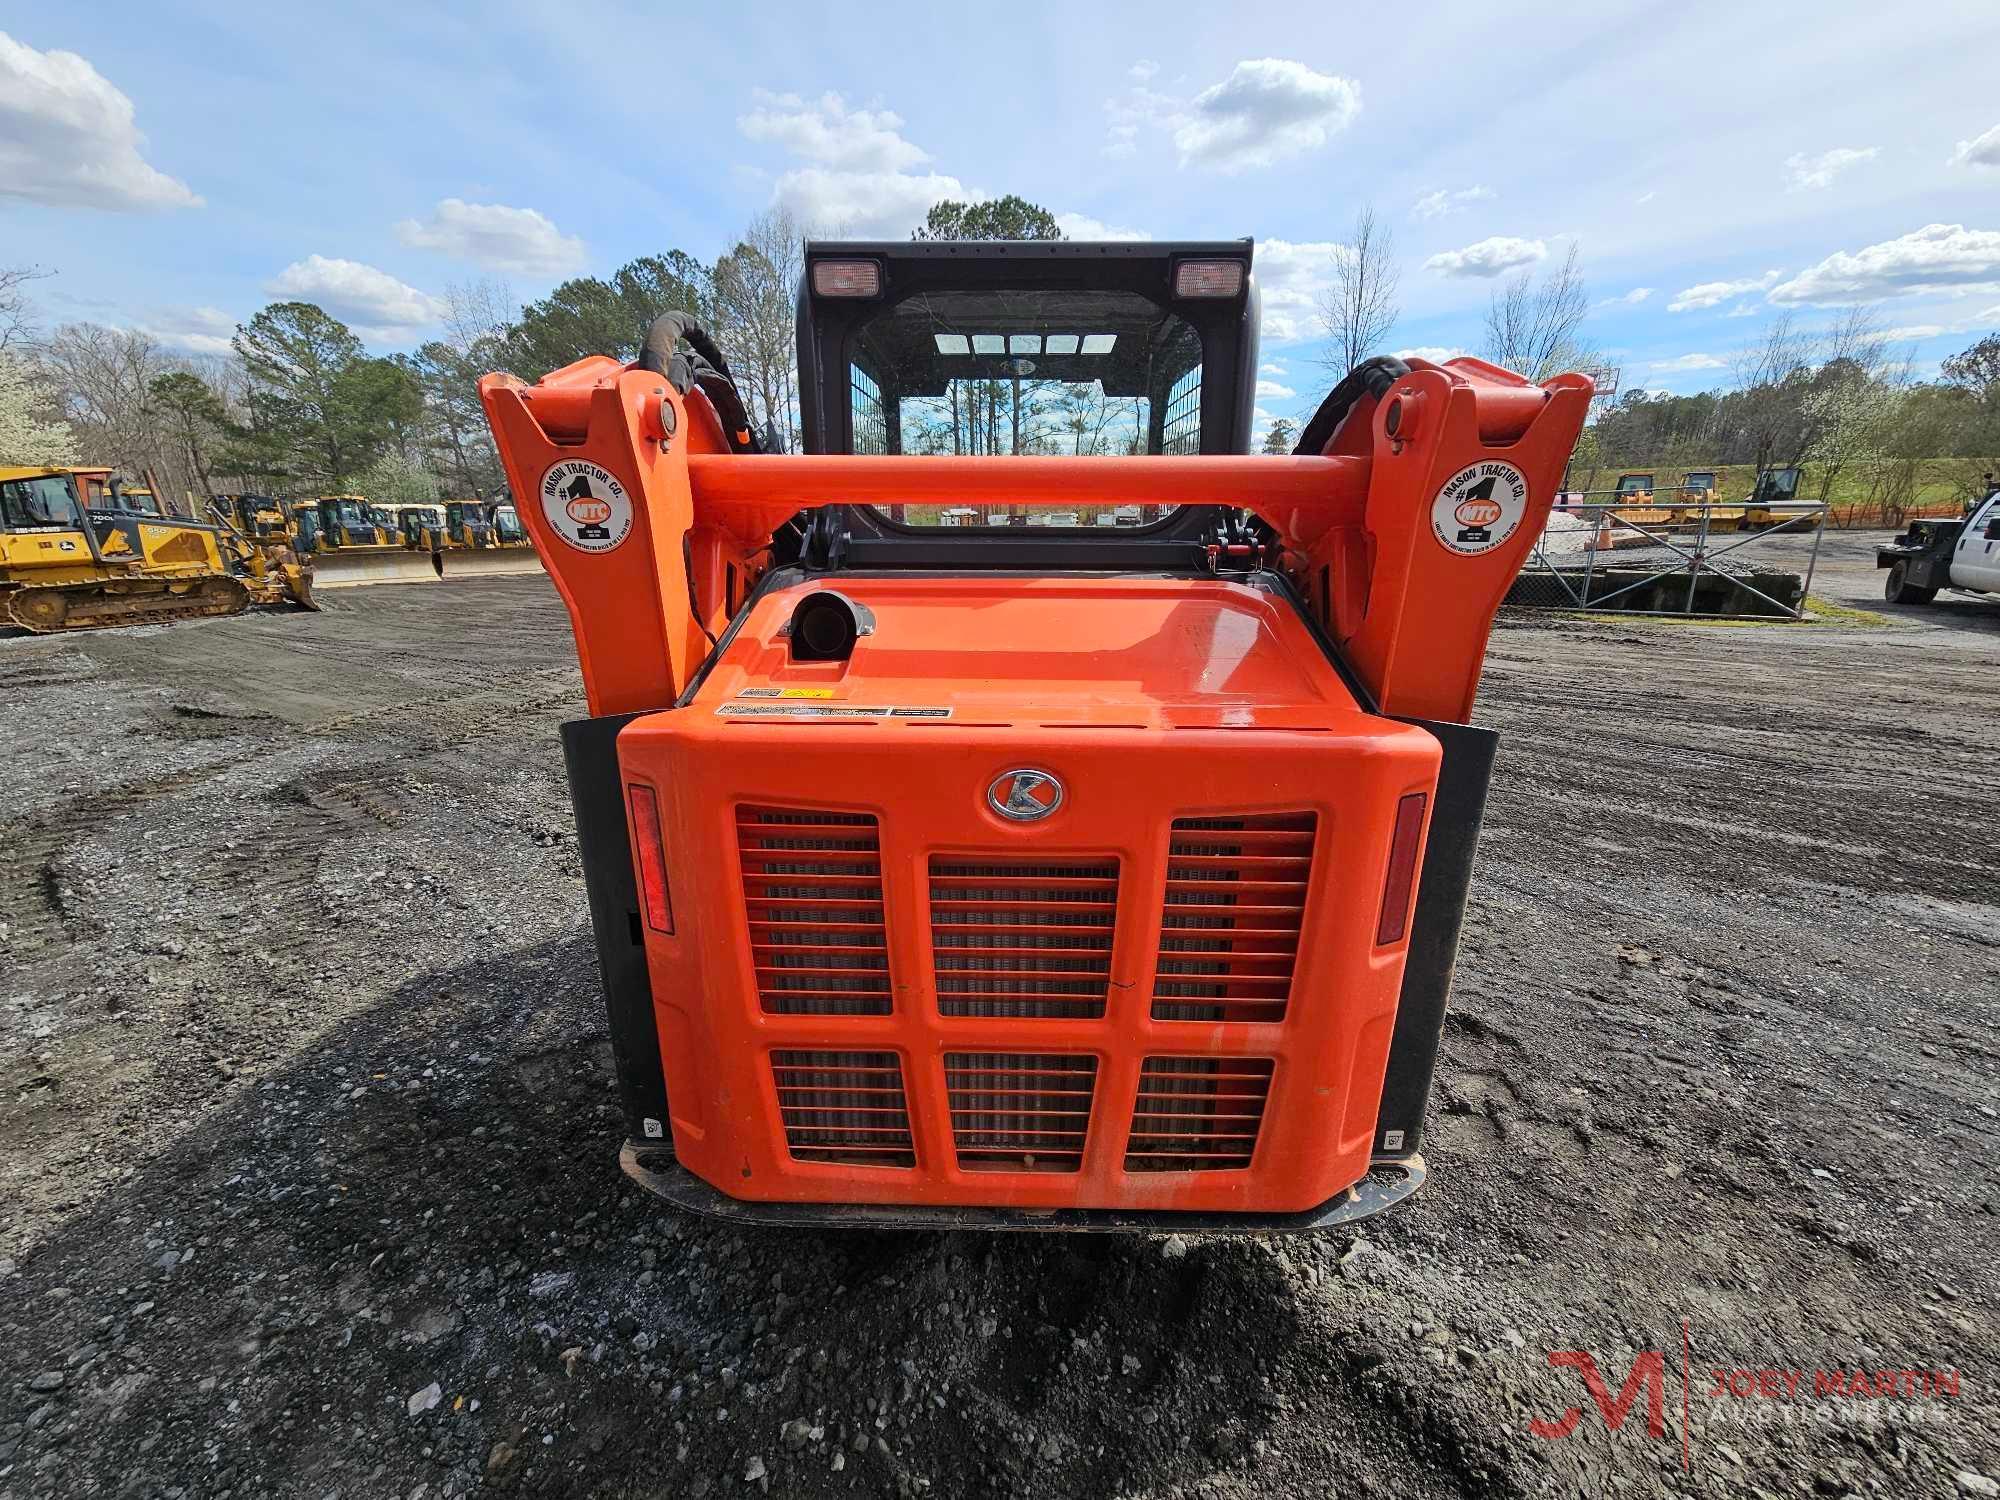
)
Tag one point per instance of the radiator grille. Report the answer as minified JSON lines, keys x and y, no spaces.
{"x":1197,"y":1114}
{"x":1019,"y":1111}
{"x":1022,"y":938}
{"x":812,"y":885}
{"x":1229,"y":933}
{"x":844,"y":1107}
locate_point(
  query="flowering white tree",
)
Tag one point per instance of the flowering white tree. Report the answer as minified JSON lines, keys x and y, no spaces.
{"x":24,"y":437}
{"x":395,"y":480}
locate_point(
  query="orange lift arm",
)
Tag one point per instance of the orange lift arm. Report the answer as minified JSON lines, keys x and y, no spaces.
{"x":1404,"y":534}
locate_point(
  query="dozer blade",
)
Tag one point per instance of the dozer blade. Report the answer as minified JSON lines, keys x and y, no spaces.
{"x":483,"y":562}
{"x":345,"y":570}
{"x":298,"y":584}
{"x":139,"y":601}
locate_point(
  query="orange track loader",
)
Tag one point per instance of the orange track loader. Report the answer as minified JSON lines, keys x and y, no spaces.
{"x":1098,"y":864}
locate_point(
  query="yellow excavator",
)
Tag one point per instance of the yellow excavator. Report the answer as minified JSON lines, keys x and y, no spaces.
{"x":353,"y":541}
{"x":68,"y":565}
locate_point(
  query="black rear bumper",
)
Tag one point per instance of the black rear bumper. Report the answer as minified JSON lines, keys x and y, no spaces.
{"x":653,"y":1167}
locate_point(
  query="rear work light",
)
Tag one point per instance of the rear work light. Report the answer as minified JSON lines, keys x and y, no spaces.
{"x":652,"y":858}
{"x":1402,"y":869}
{"x":846,"y":278}
{"x":1208,"y":278}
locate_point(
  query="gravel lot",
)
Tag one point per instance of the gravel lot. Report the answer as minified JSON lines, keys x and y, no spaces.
{"x":311,"y":1188}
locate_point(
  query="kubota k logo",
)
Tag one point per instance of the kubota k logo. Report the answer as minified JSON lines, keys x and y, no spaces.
{"x":1024,"y":796}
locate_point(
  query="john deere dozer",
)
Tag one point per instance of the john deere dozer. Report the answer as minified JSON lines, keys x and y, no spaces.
{"x":65,"y":566}
{"x":1046,"y":874}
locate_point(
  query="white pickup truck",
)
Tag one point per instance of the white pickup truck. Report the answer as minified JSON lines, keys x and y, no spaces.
{"x":1935,"y":555}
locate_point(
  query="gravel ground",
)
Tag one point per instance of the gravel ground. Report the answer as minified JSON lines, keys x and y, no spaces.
{"x":311,"y":1183}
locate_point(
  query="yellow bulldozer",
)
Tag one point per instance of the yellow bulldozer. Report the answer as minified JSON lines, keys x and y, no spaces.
{"x":262,"y":551}
{"x":353,"y":541}
{"x":484,"y":539}
{"x":78,"y":550}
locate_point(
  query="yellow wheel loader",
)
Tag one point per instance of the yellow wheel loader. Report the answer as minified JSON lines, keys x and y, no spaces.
{"x":68,"y":566}
{"x":354,"y":542}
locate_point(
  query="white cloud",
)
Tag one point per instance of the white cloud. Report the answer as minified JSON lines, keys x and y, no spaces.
{"x":826,"y":132}
{"x":67,"y":137}
{"x":1271,"y":367}
{"x":198,"y":330}
{"x":1938,"y":257}
{"x":1689,"y":362}
{"x":374,"y":302}
{"x":1647,"y":197}
{"x":855,"y":180}
{"x":1819,"y":171}
{"x":1292,"y":277}
{"x":1083,"y":227}
{"x":496,"y":237}
{"x":1437,"y":354}
{"x":1714,"y":293}
{"x":1742,"y":310}
{"x":1632,"y":298}
{"x":1270,"y":390}
{"x":1267,"y":109}
{"x":865,"y":205}
{"x":1444,"y":201}
{"x":1489,"y":257}
{"x":1143,"y":70}
{"x":1981,"y":151}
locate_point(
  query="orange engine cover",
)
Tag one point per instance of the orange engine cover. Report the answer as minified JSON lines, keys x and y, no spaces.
{"x":1150,"y":975}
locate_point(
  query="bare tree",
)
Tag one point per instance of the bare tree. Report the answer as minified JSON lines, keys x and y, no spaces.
{"x":17,"y":320}
{"x":1534,"y":330}
{"x":103,"y":381}
{"x":1773,"y":379}
{"x":755,"y":285}
{"x":1357,"y":311}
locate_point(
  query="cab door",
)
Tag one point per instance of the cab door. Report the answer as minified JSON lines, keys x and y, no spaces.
{"x":1975,"y":561}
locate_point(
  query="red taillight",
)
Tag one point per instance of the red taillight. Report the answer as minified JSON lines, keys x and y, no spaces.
{"x":1402,"y":869}
{"x":652,"y":858}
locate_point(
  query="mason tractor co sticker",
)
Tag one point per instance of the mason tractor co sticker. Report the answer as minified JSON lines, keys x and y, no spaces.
{"x":585,"y":506}
{"x":1480,"y":507}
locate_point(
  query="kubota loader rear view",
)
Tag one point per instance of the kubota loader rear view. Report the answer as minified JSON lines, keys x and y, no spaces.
{"x":1025,"y":809}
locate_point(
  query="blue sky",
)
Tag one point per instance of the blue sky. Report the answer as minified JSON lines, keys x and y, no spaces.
{"x":1715,"y":164}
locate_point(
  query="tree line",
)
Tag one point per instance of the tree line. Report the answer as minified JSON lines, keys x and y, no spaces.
{"x":300,"y":405}
{"x":1835,"y":403}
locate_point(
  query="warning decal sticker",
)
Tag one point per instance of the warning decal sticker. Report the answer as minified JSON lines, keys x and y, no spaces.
{"x":740,"y":710}
{"x":786,"y":693}
{"x":586,"y":506}
{"x":1480,"y":507}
